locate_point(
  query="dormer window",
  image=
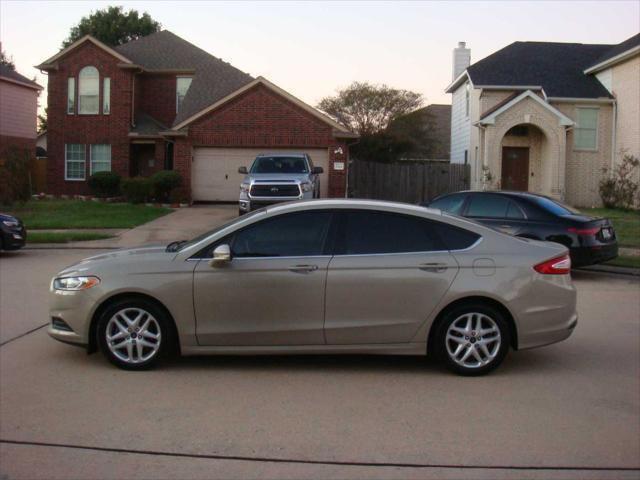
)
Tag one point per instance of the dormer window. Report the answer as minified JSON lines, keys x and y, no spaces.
{"x":182,"y":85}
{"x":89,"y":91}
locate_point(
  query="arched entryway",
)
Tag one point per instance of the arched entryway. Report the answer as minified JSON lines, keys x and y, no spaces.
{"x":523,"y":147}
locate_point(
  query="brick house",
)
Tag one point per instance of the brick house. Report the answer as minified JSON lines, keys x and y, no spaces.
{"x":546,"y":117}
{"x":160,"y":102}
{"x":18,"y":111}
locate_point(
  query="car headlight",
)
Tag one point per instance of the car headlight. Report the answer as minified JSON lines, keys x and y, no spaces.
{"x":244,"y":187}
{"x":11,"y":223}
{"x":306,"y":186}
{"x":75,"y":283}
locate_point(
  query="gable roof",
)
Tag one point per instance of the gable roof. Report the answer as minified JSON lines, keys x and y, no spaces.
{"x":489,"y":117}
{"x":620,"y":52}
{"x":557,"y":68}
{"x":213,"y":78}
{"x":48,"y":63}
{"x":10,"y":75}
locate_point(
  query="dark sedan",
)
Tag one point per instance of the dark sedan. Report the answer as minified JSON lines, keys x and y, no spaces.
{"x":590,"y":240}
{"x":13,"y":235}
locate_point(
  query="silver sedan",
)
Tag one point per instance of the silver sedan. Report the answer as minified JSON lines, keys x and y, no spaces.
{"x":323,"y":276}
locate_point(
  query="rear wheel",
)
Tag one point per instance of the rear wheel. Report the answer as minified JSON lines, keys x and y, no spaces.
{"x":472,"y":339}
{"x":134,"y":334}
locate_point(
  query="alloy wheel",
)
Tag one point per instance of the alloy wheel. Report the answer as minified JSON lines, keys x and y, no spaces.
{"x":133,"y":335}
{"x":473,"y":340}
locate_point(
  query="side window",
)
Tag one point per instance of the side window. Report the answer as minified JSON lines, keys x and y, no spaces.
{"x":514,"y":212}
{"x":368,"y":232}
{"x":290,"y":235}
{"x":488,"y":206}
{"x":450,"y":203}
{"x":456,"y":238}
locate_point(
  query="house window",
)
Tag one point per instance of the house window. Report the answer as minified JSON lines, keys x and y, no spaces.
{"x":182,"y":85}
{"x":106,"y":96}
{"x":586,"y":132}
{"x":466,"y":99}
{"x":89,"y":91}
{"x":100,"y":158}
{"x":74,"y":165}
{"x":71,"y":95}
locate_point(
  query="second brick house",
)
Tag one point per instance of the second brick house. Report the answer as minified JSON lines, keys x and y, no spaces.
{"x":160,"y":102}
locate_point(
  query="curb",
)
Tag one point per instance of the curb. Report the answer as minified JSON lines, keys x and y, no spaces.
{"x":629,"y":272}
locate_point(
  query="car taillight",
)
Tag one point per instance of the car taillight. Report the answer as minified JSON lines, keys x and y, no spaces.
{"x":555,"y":266}
{"x":583,"y":231}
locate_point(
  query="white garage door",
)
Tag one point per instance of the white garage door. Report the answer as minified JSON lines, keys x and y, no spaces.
{"x":215,"y":177}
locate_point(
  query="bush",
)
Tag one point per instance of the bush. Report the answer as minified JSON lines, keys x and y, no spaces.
{"x":105,"y":184}
{"x":163,"y":183}
{"x":136,"y":189}
{"x":618,"y":190}
{"x":15,"y":184}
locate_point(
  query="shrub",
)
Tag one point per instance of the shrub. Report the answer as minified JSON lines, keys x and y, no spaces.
{"x":15,"y":184}
{"x":163,"y":183}
{"x":618,"y":189}
{"x":136,"y":189}
{"x":105,"y":184}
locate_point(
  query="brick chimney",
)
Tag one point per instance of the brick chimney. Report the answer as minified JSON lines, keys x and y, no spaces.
{"x":461,"y":59}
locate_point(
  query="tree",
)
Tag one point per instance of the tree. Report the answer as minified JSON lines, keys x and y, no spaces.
{"x":42,"y":121}
{"x":368,"y":109}
{"x":113,"y":26}
{"x":7,"y":60}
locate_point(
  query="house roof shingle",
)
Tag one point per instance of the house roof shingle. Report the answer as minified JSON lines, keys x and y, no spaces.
{"x":556,"y":67}
{"x":618,"y":49}
{"x":213,"y":80}
{"x":7,"y":72}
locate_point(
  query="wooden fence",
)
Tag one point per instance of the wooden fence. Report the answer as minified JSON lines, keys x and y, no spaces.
{"x":406,"y":181}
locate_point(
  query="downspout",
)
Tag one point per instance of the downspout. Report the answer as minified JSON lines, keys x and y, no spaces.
{"x":133,"y":100}
{"x":614,"y":134}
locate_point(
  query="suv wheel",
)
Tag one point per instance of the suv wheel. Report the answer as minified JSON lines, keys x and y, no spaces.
{"x":133,"y":334}
{"x":472,"y":339}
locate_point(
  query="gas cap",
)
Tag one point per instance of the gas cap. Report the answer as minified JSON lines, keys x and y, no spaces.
{"x":484,"y":267}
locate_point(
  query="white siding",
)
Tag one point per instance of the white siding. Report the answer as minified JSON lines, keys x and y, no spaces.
{"x":605,"y":77}
{"x":460,"y":126}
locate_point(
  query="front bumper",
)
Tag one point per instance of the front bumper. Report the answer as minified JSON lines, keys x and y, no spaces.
{"x":589,"y":255}
{"x":13,"y":238}
{"x":75,"y":309}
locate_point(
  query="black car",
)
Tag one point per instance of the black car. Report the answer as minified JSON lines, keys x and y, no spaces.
{"x":590,"y":240}
{"x":13,"y":235}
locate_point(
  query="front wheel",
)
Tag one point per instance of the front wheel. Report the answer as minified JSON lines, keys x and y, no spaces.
{"x":133,"y":334}
{"x":472,"y":339}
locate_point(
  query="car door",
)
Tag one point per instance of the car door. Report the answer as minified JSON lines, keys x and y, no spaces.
{"x":496,"y":211}
{"x":388,"y":274}
{"x":272,"y":291}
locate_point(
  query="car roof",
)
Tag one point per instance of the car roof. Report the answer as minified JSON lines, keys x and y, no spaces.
{"x":294,"y":154}
{"x":506,"y":193}
{"x":350,"y":203}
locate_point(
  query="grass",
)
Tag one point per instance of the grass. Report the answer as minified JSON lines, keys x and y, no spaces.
{"x":625,"y":261}
{"x":625,"y":222}
{"x":64,"y":237}
{"x":55,"y":214}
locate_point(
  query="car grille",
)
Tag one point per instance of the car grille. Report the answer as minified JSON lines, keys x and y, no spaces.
{"x":274,"y":190}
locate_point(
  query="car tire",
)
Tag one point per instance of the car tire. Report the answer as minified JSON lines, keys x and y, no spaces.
{"x":134,"y":334}
{"x":472,"y":339}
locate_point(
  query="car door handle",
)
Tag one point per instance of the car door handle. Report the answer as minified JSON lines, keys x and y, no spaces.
{"x":433,"y":267}
{"x":303,"y":268}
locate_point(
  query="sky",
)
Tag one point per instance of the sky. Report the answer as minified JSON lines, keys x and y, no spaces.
{"x":311,"y":49}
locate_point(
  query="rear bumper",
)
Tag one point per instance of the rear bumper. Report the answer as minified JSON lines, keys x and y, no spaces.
{"x":548,"y":336}
{"x":583,"y":256}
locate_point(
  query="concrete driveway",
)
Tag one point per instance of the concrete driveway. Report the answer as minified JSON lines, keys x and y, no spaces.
{"x":570,"y":410}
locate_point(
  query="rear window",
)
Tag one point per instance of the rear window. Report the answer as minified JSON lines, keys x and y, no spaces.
{"x":554,"y":207}
{"x":456,"y":238}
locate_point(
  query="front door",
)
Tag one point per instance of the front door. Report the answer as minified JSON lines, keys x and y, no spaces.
{"x":515,"y":168}
{"x":272,"y":291}
{"x":388,"y":274}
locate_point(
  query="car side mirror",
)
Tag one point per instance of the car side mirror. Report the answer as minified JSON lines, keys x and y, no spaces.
{"x":317,"y":170}
{"x":221,"y":256}
{"x":242,"y":170}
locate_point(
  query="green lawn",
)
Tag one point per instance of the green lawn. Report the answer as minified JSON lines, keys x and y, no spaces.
{"x":64,"y":237}
{"x":625,"y":261}
{"x":625,"y":222}
{"x":53,"y":214}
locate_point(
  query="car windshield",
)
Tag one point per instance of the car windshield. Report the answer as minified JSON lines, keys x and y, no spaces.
{"x":280,"y":164}
{"x":179,"y":246}
{"x":555,"y":207}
